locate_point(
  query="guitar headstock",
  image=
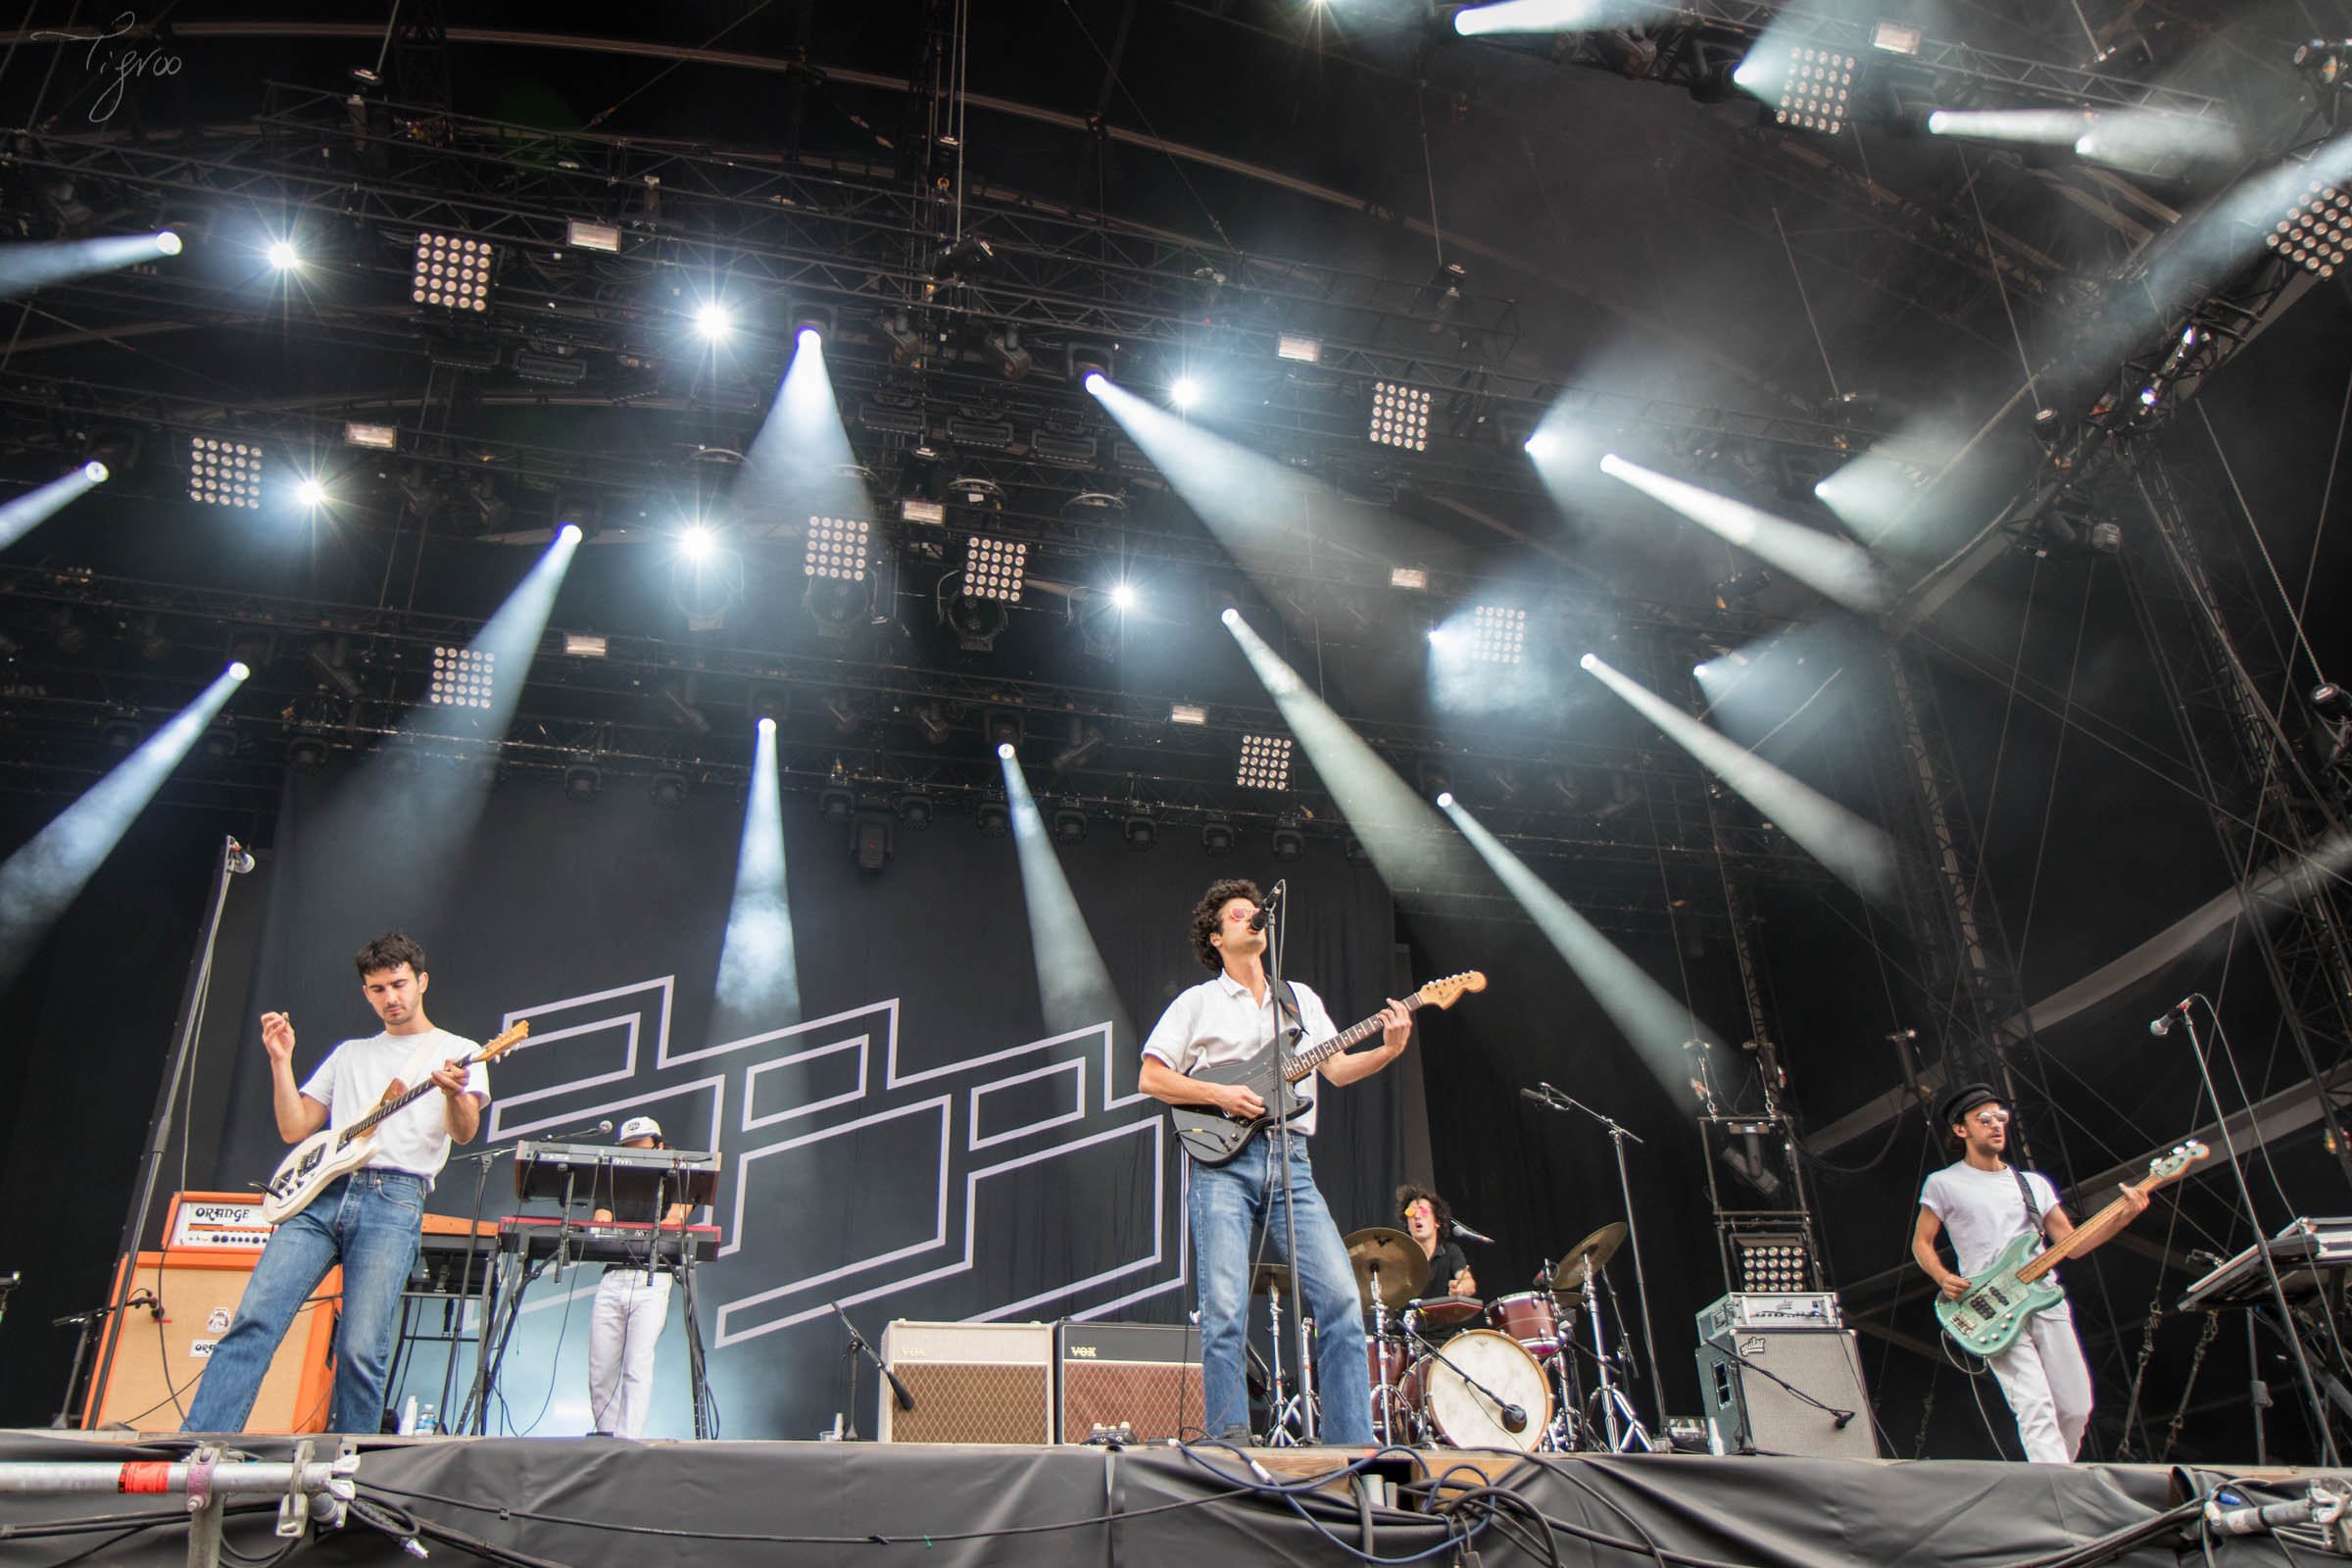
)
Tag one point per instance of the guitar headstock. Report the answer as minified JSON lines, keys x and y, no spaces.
{"x":2166,"y":1166}
{"x":505,"y":1041}
{"x":1442,"y":994}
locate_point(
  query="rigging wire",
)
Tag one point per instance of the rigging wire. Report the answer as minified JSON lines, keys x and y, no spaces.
{"x":2294,"y":619}
{"x":2319,"y":530}
{"x":1153,"y":130}
{"x":1992,"y":261}
{"x":1806,"y":301}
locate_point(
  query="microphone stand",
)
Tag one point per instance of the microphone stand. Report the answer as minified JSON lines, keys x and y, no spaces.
{"x":1618,"y":1134}
{"x":1285,"y":1019}
{"x":2261,"y":1248}
{"x":857,"y":1348}
{"x":1501,"y":1405}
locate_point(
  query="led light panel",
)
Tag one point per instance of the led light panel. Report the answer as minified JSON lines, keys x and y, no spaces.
{"x":837,"y":548}
{"x":992,"y":567}
{"x":224,"y":473}
{"x":2316,"y":233}
{"x":1816,"y":91}
{"x":1265,"y":763}
{"x":452,"y":274}
{"x":1399,"y":416}
{"x":1499,"y":634}
{"x":462,"y":677}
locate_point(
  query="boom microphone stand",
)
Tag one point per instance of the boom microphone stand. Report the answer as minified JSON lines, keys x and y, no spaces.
{"x":1618,"y":1134}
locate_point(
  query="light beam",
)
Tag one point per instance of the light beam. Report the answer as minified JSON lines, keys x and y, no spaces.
{"x":1835,"y":568}
{"x":758,"y":973}
{"x":801,"y":464}
{"x":1857,"y":854}
{"x":39,"y":265}
{"x":1073,"y":985}
{"x":42,"y":877}
{"x":29,"y":511}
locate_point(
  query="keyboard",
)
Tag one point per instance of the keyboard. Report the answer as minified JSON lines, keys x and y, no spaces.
{"x":615,"y":1242}
{"x":607,"y":1176}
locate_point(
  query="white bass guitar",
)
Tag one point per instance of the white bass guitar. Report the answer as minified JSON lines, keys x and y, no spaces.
{"x":334,"y":1151}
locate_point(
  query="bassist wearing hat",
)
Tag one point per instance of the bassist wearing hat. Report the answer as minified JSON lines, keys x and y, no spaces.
{"x":1986,"y":1203}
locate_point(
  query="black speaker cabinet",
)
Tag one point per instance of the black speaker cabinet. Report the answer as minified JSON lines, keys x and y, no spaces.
{"x":1748,"y":1412}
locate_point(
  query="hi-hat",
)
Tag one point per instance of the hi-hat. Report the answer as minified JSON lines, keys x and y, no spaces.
{"x":1388,"y":1263}
{"x":1588,"y":1256}
{"x":1273,"y":1278}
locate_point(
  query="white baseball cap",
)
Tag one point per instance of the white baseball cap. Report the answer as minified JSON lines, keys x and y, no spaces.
{"x":638,"y":1127}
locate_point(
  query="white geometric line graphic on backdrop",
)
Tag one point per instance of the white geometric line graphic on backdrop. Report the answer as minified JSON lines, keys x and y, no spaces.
{"x":592,"y":1046}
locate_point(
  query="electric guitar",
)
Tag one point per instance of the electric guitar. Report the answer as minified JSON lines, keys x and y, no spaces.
{"x":331,"y":1151}
{"x":1213,"y":1137}
{"x":2009,"y":1291}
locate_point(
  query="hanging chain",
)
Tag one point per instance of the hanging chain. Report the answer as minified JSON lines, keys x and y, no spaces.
{"x":1927,"y":1411}
{"x":2213,"y":1326}
{"x":2139,"y":1373}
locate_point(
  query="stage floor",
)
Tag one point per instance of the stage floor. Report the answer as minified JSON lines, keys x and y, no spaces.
{"x":598,"y":1502}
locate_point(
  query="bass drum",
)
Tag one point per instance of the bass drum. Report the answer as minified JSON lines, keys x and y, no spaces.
{"x":1460,"y":1416}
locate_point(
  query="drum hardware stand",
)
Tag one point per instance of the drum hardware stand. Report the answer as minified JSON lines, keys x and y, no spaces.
{"x":1280,"y":1433}
{"x":478,"y":1396}
{"x":1383,"y":1418}
{"x":1618,"y":1134}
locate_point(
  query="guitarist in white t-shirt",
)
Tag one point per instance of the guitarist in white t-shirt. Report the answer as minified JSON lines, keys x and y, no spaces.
{"x":371,"y":1220}
{"x":1982,"y":1202}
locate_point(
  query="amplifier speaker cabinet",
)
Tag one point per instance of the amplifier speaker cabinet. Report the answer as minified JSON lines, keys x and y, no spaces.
{"x":1144,"y":1374}
{"x":150,"y":1369}
{"x":1750,"y":1412}
{"x":971,"y":1383}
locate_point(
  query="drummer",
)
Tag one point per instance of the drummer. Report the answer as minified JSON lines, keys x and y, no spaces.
{"x":1429,"y":1219}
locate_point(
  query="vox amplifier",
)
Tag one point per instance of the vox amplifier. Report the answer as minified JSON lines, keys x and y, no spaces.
{"x":971,"y":1383}
{"x":1142,"y":1376}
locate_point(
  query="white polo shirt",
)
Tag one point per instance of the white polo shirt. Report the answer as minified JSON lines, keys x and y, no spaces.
{"x":353,"y":1077}
{"x":1217,"y":1021}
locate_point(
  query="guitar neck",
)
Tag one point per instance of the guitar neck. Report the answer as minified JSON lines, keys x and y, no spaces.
{"x":368,"y":1123}
{"x":2105,"y":1223}
{"x":1314,"y":1056}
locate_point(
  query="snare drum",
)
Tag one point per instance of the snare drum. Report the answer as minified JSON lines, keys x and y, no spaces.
{"x":1461,"y":1416}
{"x":1529,"y":1317}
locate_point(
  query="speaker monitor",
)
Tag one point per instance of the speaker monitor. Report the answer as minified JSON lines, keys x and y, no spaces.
{"x":1144,"y":1376}
{"x":1749,"y":1411}
{"x":971,"y":1383}
{"x":150,"y":1366}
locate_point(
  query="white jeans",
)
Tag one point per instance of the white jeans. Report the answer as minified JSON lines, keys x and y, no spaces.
{"x":623,"y":1334}
{"x":2048,"y":1387}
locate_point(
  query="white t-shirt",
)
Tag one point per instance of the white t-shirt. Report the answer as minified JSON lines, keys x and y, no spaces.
{"x":353,"y":1077}
{"x":1982,"y":1210}
{"x":1216,"y":1021}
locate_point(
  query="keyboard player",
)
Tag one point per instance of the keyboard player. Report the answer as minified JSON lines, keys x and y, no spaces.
{"x":632,"y":1304}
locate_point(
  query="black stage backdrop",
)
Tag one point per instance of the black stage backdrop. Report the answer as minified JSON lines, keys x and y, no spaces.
{"x":914,"y":1145}
{"x":1538,"y":1180}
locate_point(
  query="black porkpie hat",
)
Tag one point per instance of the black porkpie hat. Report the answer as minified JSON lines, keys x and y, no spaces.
{"x":1965,"y":1099}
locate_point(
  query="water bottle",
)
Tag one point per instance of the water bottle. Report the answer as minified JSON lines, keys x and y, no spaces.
{"x":407,"y":1416}
{"x":428,"y":1420}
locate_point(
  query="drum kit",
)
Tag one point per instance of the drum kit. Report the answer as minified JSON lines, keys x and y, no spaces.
{"x":1457,"y":1372}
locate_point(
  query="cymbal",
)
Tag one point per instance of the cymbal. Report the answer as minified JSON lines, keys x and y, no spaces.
{"x":1587,"y":1255}
{"x":1270,"y":1278}
{"x":1392,"y":1259}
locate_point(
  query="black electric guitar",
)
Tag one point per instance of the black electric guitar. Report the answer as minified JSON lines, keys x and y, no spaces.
{"x":1213,"y":1137}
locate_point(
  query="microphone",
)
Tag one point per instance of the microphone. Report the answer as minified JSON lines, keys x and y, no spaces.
{"x":238,"y":859}
{"x":1514,"y":1418}
{"x":1844,"y":1416}
{"x":1266,"y":910}
{"x":1469,"y":1234}
{"x":2164,"y":1025}
{"x":589,"y":1131}
{"x":1536,"y":1095}
{"x":1904,"y":1034}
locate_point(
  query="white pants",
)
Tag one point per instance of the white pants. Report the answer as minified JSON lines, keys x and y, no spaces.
{"x":2048,"y":1387}
{"x":622,"y":1333}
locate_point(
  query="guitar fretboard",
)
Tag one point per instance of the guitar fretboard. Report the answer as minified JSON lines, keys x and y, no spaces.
{"x":1314,"y":1056}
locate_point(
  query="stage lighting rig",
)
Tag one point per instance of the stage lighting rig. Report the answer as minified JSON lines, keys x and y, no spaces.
{"x":462,"y":677}
{"x":452,"y":273}
{"x":2316,"y":231}
{"x":1499,"y":634}
{"x":1013,"y":361}
{"x":1399,"y":416}
{"x":897,"y":329}
{"x":836,"y":800}
{"x":968,"y":258}
{"x":582,"y":781}
{"x":1287,"y":844}
{"x":1069,"y":823}
{"x":1141,"y":828}
{"x":994,"y":569}
{"x":1264,"y":763}
{"x":977,"y":622}
{"x":1087,"y":360}
{"x":816,"y":318}
{"x":1805,"y":87}
{"x":992,"y":817}
{"x":1085,"y":741}
{"x":1003,"y":728}
{"x":669,"y":790}
{"x":1217,"y":838}
{"x":916,"y":807}
{"x":2324,"y":61}
{"x":224,"y":473}
{"x":838,"y":547}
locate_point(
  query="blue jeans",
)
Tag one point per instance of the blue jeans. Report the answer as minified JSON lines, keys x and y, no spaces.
{"x":369,"y":1221}
{"x":1228,"y":1203}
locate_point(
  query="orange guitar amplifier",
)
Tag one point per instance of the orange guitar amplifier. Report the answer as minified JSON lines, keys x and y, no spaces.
{"x":1142,"y":1376}
{"x":971,"y":1383}
{"x":151,"y":1366}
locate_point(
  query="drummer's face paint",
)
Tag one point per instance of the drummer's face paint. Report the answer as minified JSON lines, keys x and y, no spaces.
{"x":1422,"y":1221}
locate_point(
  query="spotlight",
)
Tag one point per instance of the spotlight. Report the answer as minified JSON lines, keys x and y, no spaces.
{"x":1003,"y":727}
{"x":327,"y":660}
{"x":1542,"y":445}
{"x":1814,"y":90}
{"x":1069,"y":825}
{"x":375,"y":437}
{"x":1413,"y":579}
{"x":694,"y":543}
{"x":1230,"y":615}
{"x":991,"y":817}
{"x":582,"y":781}
{"x":1444,"y":800}
{"x":1005,"y":750}
{"x":933,"y":723}
{"x":714,"y":321}
{"x":915,"y":808}
{"x":95,"y":472}
{"x":767,"y":725}
{"x":1436,"y":780}
{"x":307,"y":751}
{"x":1287,"y":843}
{"x":1094,"y":382}
{"x":869,"y":842}
{"x":837,"y":548}
{"x":977,"y":622}
{"x":1296,"y":346}
{"x":1741,"y":588}
{"x":1216,"y":837}
{"x":2316,"y":231}
{"x":1265,"y":763}
{"x":1185,"y":392}
{"x":812,"y":322}
{"x":906,"y":343}
{"x":1013,"y":362}
{"x":669,"y":790}
{"x":311,"y":493}
{"x":967,"y":258}
{"x":1142,"y":829}
{"x":1088,"y":360}
{"x":149,"y":639}
{"x":282,"y":255}
{"x":836,"y":800}
{"x":1123,"y":596}
{"x":462,"y":677}
{"x":1085,"y":741}
{"x":122,"y":734}
{"x":1501,"y":632}
{"x":224,"y":473}
{"x":993,"y":568}
{"x":452,"y":274}
{"x":166,"y":243}
{"x":70,"y":635}
{"x":1589,"y":661}
{"x":2331,"y":699}
{"x":1399,"y":416}
{"x":2324,"y":59}
{"x":1192,"y":713}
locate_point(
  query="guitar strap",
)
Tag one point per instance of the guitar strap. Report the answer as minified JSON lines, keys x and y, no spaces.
{"x":2024,"y":1190}
{"x":1286,"y":1016}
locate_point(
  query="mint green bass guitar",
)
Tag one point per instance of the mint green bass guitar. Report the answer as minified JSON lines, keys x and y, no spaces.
{"x":2009,"y":1291}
